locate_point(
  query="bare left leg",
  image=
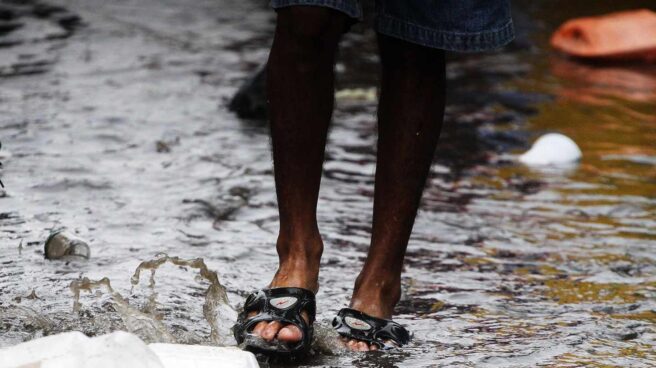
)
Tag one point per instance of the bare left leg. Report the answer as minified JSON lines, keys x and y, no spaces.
{"x":410,"y":114}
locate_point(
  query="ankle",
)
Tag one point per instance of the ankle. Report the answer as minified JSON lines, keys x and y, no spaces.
{"x":297,"y":273}
{"x":376,"y":295}
{"x":300,"y":257}
{"x":300,"y":249}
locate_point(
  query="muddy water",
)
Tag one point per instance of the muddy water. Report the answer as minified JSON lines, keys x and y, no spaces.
{"x":118,"y":132}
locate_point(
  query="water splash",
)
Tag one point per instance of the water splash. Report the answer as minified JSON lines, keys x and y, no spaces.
{"x":216,"y":309}
{"x":141,"y":323}
{"x":146,"y":321}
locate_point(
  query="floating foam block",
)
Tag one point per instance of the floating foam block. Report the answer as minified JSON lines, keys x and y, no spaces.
{"x":118,"y":350}
{"x":552,"y":149}
{"x":198,"y":356}
{"x":42,"y":352}
{"x":75,"y":350}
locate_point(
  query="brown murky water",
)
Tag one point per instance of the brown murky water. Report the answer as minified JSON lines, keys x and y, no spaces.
{"x":119,"y":133}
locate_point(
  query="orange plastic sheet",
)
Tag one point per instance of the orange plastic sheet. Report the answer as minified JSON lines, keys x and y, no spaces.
{"x":628,"y":35}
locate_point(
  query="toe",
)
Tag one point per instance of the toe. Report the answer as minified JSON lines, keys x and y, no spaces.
{"x":271,"y":330}
{"x":290,"y":333}
{"x":257,"y":331}
{"x":357,"y":345}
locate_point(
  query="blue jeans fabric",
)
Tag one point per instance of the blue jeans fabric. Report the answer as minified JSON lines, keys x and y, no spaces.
{"x":453,"y":25}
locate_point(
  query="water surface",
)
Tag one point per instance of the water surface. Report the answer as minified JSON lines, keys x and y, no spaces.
{"x":120,"y":134}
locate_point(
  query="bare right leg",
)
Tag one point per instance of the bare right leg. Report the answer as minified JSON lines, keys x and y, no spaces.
{"x":300,"y":89}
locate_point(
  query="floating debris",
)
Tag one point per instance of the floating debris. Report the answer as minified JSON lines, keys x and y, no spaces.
{"x":74,"y":349}
{"x":250,"y":101}
{"x":62,"y":244}
{"x":552,"y":149}
{"x":628,"y":35}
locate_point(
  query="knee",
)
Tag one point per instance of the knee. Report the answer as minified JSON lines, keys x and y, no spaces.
{"x":311,"y":28}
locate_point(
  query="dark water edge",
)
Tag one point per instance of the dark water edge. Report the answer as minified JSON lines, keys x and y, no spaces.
{"x":118,"y":129}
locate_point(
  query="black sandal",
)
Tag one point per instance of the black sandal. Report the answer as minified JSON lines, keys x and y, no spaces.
{"x":279,"y":304}
{"x":374,"y":331}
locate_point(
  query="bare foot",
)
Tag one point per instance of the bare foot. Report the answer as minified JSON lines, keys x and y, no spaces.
{"x":291,"y":273}
{"x":376,"y":299}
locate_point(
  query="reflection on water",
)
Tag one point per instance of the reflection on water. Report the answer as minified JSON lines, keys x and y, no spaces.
{"x":508,"y":266}
{"x":632,"y":83}
{"x":628,"y":88}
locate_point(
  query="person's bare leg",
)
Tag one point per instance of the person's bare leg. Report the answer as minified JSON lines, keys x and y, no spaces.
{"x":410,"y":114}
{"x":300,"y":90}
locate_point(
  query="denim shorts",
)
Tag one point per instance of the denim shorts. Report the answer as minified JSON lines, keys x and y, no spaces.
{"x":453,"y":25}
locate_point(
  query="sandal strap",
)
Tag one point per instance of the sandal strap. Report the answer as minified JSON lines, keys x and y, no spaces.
{"x":279,"y":304}
{"x":361,"y":326}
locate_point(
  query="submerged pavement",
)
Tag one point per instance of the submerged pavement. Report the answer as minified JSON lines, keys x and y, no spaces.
{"x":116,"y":128}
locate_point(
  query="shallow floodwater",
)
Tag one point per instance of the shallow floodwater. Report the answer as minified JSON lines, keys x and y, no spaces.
{"x":117,"y":130}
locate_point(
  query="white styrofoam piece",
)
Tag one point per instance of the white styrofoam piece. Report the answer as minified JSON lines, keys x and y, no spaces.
{"x":41,"y":350}
{"x":118,"y":350}
{"x":552,"y":149}
{"x":74,"y":350}
{"x":198,"y":356}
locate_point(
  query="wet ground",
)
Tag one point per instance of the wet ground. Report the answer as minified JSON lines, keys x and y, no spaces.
{"x":116,"y":128}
